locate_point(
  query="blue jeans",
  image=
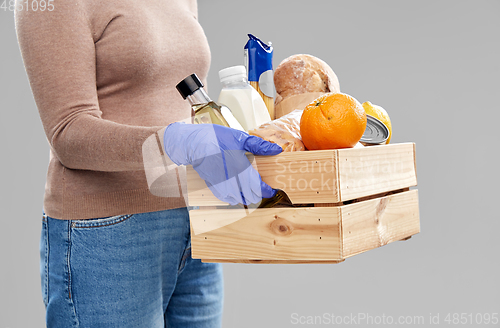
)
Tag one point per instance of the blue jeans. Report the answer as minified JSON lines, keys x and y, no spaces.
{"x":127,"y":271}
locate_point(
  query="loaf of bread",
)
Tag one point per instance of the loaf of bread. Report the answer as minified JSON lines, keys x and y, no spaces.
{"x":303,"y":73}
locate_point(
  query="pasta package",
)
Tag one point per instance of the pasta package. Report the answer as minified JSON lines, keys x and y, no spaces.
{"x":259,"y":64}
{"x":284,"y":131}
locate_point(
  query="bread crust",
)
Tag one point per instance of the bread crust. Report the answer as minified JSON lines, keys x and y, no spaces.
{"x":303,"y":73}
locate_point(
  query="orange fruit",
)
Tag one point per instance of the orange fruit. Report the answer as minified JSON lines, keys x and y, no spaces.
{"x":332,"y":121}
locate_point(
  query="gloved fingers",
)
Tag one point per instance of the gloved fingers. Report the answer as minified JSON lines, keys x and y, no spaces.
{"x":212,"y":168}
{"x":227,"y":191}
{"x":249,"y":183}
{"x":259,"y":146}
{"x":236,"y":162}
{"x":267,"y":191}
{"x":244,"y":187}
{"x":220,"y":172}
{"x":231,"y":139}
{"x":240,"y":170}
{"x":257,"y":189}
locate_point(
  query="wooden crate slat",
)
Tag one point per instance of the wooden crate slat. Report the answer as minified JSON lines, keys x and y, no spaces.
{"x":326,"y":176}
{"x":208,"y":219}
{"x":291,"y":235}
{"x":376,"y":169}
{"x":268,"y":234}
{"x":306,"y":177}
{"x":273,"y":261}
{"x":373,"y":223}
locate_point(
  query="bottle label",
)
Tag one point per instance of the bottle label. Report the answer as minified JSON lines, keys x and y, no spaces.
{"x":266,"y":83}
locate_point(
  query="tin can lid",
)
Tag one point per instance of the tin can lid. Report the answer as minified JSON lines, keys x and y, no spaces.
{"x":376,"y":132}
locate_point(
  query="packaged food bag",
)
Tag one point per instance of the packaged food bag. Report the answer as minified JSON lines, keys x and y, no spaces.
{"x":294,"y":102}
{"x":284,"y":131}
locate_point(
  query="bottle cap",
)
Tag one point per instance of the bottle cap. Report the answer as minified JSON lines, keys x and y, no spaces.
{"x":189,"y":85}
{"x":376,"y":133}
{"x":232,"y":72}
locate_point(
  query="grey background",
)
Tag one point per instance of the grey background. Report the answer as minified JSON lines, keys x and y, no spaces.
{"x":433,"y":65}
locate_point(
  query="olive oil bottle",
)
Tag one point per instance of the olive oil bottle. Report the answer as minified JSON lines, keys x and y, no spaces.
{"x":206,"y":111}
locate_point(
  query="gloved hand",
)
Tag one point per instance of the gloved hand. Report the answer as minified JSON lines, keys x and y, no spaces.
{"x":217,"y":153}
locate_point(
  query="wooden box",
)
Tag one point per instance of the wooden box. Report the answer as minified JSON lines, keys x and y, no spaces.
{"x":347,"y":201}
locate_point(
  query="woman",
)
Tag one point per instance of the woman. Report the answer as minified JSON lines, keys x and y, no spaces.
{"x":103,"y":75}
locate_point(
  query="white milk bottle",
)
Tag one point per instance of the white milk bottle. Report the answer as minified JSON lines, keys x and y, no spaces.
{"x":242,"y":99}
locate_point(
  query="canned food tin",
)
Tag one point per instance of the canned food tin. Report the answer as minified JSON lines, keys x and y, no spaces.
{"x":376,"y":132}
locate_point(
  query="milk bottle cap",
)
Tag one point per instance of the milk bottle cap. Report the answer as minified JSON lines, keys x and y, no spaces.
{"x":234,"y":72}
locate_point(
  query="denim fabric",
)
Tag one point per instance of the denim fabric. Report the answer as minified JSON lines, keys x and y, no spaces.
{"x":127,"y":271}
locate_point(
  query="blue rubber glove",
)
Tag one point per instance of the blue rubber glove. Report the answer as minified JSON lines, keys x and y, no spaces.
{"x":217,"y":153}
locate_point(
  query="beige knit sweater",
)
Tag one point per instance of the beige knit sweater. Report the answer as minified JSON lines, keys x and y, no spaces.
{"x":103,"y":75}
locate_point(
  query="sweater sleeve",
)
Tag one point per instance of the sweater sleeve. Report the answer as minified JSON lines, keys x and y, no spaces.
{"x":58,"y":51}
